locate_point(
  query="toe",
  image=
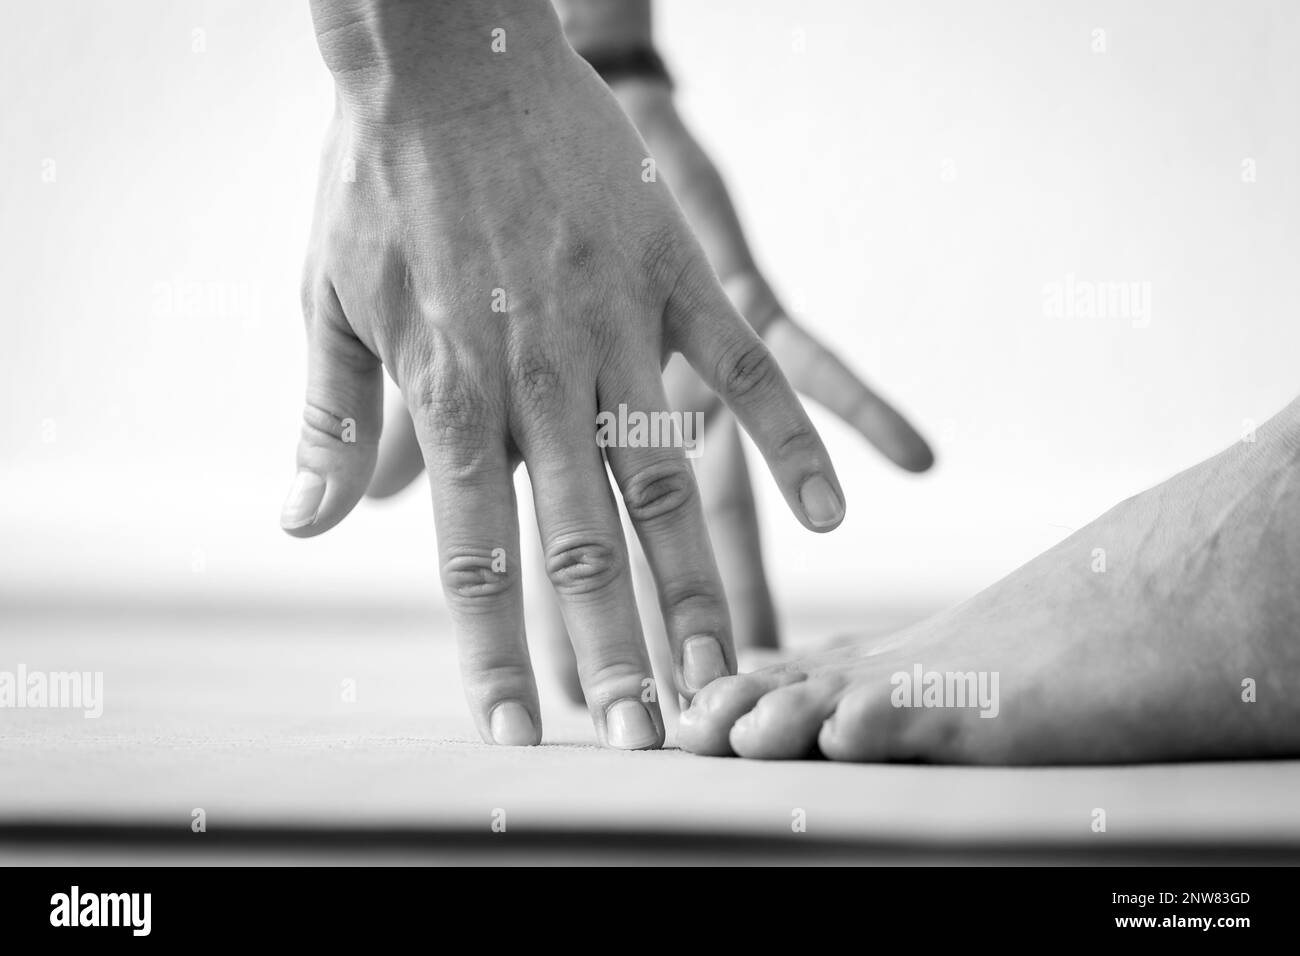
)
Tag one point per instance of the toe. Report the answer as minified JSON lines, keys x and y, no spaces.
{"x":784,"y":724}
{"x":860,"y":727}
{"x":866,"y":727}
{"x":705,"y":726}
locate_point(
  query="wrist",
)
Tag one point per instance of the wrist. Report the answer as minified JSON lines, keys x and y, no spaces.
{"x":419,"y":63}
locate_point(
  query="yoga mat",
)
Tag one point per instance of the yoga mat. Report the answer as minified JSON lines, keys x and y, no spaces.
{"x":245,"y":713}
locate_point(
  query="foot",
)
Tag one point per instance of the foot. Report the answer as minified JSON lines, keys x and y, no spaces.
{"x":1165,"y":630}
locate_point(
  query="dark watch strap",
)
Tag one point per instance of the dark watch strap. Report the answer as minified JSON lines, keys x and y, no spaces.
{"x":628,"y":63}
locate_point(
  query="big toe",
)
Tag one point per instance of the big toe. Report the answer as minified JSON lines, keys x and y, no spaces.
{"x":705,"y":726}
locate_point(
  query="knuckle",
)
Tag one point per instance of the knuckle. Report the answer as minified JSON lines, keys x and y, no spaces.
{"x":583,"y":566}
{"x":322,"y":427}
{"x":472,"y":577}
{"x":536,"y":379}
{"x":448,"y":405}
{"x":660,"y":250}
{"x":799,"y":442}
{"x":616,"y":674}
{"x":691,"y":598}
{"x":498,"y":673}
{"x":660,"y":490}
{"x":489,"y":680}
{"x":748,"y":371}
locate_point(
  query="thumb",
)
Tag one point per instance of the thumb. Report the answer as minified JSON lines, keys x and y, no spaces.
{"x":341,"y":421}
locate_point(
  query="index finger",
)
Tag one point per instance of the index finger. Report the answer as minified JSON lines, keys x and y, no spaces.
{"x":706,"y":328}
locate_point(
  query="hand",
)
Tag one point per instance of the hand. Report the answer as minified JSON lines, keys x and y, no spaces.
{"x":810,"y":366}
{"x":483,"y":229}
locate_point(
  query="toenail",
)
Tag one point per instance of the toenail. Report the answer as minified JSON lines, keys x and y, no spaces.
{"x":628,"y":726}
{"x":702,"y":662}
{"x":512,"y":725}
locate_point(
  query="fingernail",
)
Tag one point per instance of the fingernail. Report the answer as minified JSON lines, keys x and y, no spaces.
{"x":820,"y":503}
{"x":702,"y":662}
{"x":512,"y":725}
{"x":304,"y":500}
{"x":628,"y":726}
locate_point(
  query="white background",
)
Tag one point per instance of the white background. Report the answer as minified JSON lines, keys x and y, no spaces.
{"x":145,"y":446}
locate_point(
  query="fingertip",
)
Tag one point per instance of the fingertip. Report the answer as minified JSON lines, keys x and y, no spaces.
{"x":703,"y":662}
{"x":822,"y":506}
{"x":328,"y":485}
{"x":632,"y":725}
{"x":918,"y":457}
{"x":302,"y":504}
{"x":894,"y":436}
{"x":511,"y":724}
